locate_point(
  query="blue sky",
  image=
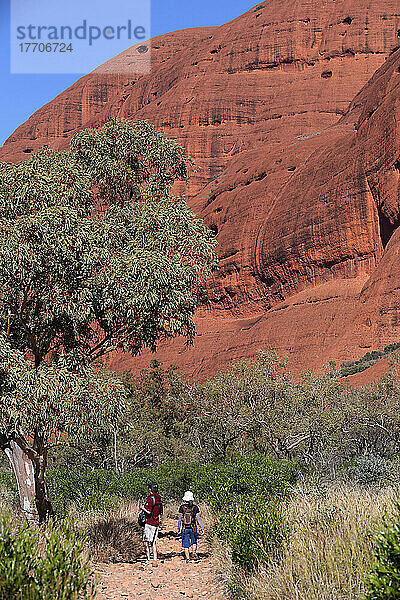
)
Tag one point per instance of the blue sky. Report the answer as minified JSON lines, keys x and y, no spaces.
{"x":21,"y":95}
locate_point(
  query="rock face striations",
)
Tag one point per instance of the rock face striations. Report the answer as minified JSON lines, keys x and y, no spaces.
{"x":299,"y":171}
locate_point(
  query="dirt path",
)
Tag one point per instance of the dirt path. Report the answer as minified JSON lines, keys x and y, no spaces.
{"x":169,"y":578}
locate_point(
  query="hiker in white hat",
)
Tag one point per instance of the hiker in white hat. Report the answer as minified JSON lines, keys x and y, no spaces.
{"x":188,"y":520}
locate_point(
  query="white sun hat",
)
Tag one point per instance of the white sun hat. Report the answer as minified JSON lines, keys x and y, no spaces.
{"x":188,"y":497}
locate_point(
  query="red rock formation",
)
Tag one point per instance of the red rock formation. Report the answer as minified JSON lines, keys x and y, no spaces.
{"x":302,"y":190}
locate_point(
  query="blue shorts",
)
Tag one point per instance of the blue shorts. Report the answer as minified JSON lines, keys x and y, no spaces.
{"x":189,"y":537}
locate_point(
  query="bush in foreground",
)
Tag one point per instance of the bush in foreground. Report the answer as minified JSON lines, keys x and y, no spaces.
{"x":37,"y":565}
{"x":254,"y":531}
{"x":384,"y":581}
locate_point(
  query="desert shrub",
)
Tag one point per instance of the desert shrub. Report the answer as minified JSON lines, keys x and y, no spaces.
{"x":173,"y":479}
{"x":383,"y":582}
{"x":254,"y":531}
{"x":157,"y":428}
{"x":100,"y":490}
{"x":43,"y":565}
{"x":351,"y":367}
{"x":18,"y":557}
{"x":248,"y":476}
{"x":368,"y":470}
{"x":391,"y":348}
{"x":246,"y":496}
{"x":358,"y":367}
{"x":89,"y":490}
{"x":374,"y":355}
{"x":254,"y":408}
{"x":8,"y":492}
{"x":7,"y":479}
{"x":347,"y":363}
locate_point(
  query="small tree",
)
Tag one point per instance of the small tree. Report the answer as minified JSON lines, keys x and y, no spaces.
{"x":96,"y":256}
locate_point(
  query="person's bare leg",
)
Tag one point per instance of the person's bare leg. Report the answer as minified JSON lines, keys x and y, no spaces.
{"x":155,"y":556}
{"x":147,"y":548}
{"x":187,"y":555}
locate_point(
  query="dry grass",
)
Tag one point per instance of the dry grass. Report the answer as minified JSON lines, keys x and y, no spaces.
{"x":330,"y":548}
{"x":113,"y":537}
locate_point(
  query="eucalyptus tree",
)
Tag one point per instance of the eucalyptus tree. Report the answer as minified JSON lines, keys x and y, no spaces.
{"x":96,"y":256}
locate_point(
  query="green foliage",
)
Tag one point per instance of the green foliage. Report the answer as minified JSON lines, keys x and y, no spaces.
{"x":384,"y":581}
{"x":357,"y":367}
{"x":18,"y":557}
{"x":255,"y":531}
{"x":257,"y":407}
{"x":391,"y":347}
{"x":7,"y":480}
{"x":368,"y":470}
{"x":91,"y":490}
{"x":250,"y":476}
{"x":130,"y":160}
{"x":54,"y":400}
{"x":159,"y":423}
{"x":374,"y":355}
{"x":43,"y":565}
{"x":368,"y":360}
{"x":82,"y":279}
{"x":219,"y":484}
{"x":95,"y":254}
{"x":244,"y":493}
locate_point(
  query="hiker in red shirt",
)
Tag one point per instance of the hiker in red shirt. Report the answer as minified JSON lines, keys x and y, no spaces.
{"x":153,"y":509}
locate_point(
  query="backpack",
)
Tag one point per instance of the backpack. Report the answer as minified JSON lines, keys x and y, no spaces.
{"x":159,"y":511}
{"x":188,"y":517}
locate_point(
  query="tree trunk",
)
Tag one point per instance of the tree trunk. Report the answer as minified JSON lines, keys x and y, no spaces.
{"x":43,"y":504}
{"x":31,"y":480}
{"x":23,"y":469}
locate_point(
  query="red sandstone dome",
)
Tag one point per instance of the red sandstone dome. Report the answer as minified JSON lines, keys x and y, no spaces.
{"x":293,"y":120}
